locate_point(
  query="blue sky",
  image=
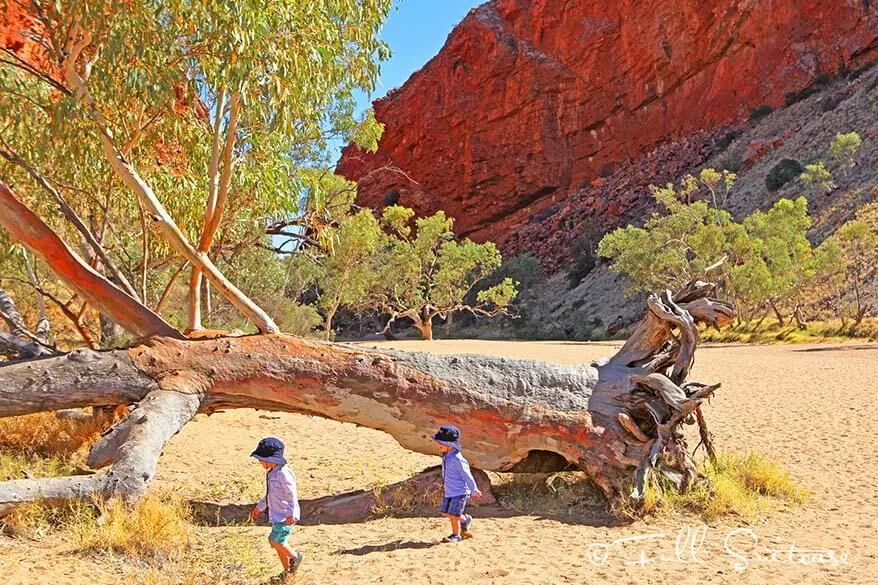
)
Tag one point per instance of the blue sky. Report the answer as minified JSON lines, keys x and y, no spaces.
{"x":415,"y":31}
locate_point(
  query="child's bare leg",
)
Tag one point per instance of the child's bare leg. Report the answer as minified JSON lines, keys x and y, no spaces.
{"x":290,"y":552}
{"x":280,"y":549}
{"x":455,"y":524}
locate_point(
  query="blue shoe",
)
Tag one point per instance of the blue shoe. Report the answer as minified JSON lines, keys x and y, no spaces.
{"x":452,"y":538}
{"x":295,"y":561}
{"x":464,"y":526}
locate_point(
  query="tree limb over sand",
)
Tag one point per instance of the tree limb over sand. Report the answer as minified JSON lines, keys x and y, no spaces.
{"x":517,"y":415}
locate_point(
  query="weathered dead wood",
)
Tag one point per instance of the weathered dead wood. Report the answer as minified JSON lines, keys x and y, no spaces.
{"x":417,"y":495}
{"x":164,"y":412}
{"x":516,"y":415}
{"x":20,"y":342}
{"x":75,"y":380}
{"x":421,"y":492}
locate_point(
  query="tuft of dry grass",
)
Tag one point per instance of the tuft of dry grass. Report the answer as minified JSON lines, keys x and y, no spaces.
{"x":761,"y":474}
{"x":155,"y":529}
{"x":14,"y":466}
{"x":406,"y":498}
{"x":743,"y":485}
{"x":35,"y":520}
{"x":43,"y":445}
{"x":44,"y":434}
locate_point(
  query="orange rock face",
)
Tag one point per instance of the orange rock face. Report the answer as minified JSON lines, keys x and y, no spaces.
{"x":19,"y":31}
{"x":531,"y":100}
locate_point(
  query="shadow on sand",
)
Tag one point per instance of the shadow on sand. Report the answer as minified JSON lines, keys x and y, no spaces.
{"x":394,"y":545}
{"x":844,"y":347}
{"x":357,"y":506}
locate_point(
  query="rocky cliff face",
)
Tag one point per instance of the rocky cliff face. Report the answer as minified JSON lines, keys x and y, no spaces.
{"x":532,"y":100}
{"x":19,"y":33}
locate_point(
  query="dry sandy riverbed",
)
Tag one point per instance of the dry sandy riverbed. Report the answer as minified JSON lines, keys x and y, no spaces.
{"x":813,"y":407}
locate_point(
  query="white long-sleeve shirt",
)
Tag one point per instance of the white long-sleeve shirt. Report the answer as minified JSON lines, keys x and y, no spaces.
{"x":281,"y":495}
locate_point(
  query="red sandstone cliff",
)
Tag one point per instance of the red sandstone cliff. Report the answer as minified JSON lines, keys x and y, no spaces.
{"x":531,"y":99}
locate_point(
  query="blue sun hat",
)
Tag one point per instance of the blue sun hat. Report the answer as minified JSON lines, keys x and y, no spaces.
{"x":449,"y":436}
{"x":270,"y":450}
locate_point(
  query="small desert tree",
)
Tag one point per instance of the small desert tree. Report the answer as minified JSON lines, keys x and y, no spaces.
{"x":775,"y":258}
{"x":765,"y":261}
{"x":680,"y":245}
{"x":843,"y":150}
{"x":342,"y":267}
{"x":426,"y":272}
{"x":818,"y":177}
{"x":853,"y":253}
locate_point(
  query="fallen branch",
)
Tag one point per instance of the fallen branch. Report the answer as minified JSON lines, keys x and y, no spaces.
{"x":616,"y":421}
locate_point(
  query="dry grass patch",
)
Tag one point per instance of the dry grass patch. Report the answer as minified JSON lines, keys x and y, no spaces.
{"x":43,"y":445}
{"x":46,"y":435}
{"x":156,"y":529}
{"x":15,"y":466}
{"x":742,"y":485}
{"x":36,"y":520}
{"x":771,"y":332}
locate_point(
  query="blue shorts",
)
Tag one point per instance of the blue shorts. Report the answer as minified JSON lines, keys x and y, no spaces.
{"x":280,"y":532}
{"x":453,"y":506}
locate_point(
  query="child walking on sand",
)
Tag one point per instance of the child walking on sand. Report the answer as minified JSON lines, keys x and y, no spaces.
{"x":281,"y":499}
{"x":458,"y":483}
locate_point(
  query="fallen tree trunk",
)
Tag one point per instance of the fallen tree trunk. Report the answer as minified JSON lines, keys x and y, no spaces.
{"x":615,"y":420}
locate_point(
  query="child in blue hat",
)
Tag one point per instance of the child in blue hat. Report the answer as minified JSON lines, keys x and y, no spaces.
{"x":281,"y":500}
{"x":457,"y":481}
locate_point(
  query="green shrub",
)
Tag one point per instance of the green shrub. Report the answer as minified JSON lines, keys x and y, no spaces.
{"x":794,"y":97}
{"x":830,"y":102}
{"x":782,"y":173}
{"x":861,"y":69}
{"x":584,"y":261}
{"x":727,"y":139}
{"x":760,"y":112}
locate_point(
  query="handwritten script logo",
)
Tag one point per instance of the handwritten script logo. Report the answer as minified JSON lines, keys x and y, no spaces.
{"x":742,"y":547}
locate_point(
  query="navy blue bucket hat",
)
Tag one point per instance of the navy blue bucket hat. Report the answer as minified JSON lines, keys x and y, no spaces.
{"x":449,"y":436}
{"x":270,"y":450}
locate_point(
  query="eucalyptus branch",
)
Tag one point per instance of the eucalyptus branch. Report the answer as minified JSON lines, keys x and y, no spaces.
{"x":72,"y":217}
{"x":20,"y":63}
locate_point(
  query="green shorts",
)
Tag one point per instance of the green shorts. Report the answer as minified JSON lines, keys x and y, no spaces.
{"x":280,"y":532}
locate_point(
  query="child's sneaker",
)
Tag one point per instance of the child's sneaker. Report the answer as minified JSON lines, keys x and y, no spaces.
{"x":295,"y":561}
{"x":464,"y":526}
{"x":452,"y":538}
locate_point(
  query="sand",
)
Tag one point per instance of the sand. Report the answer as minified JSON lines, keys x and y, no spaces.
{"x":813,"y":407}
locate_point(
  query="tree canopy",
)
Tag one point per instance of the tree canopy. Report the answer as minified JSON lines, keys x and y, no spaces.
{"x":213,"y":115}
{"x":765,"y":260}
{"x":399,"y":265}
